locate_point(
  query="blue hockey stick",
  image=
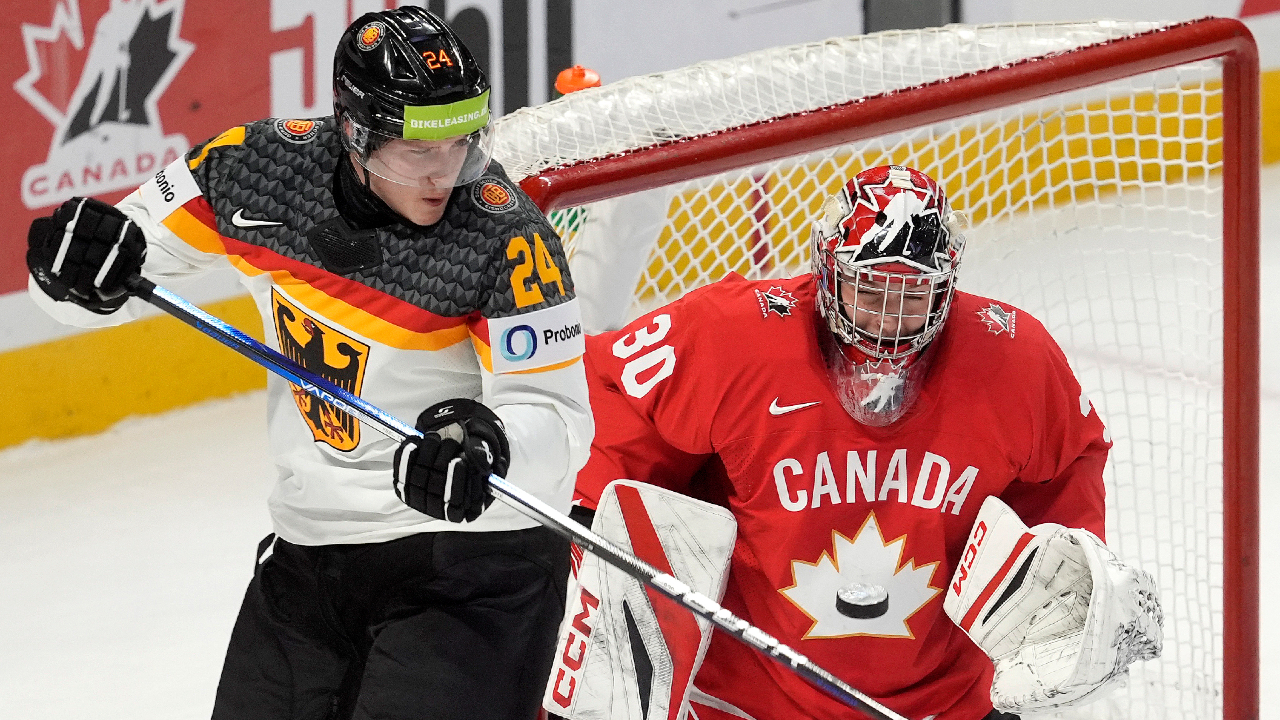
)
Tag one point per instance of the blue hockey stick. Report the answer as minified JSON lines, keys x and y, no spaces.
{"x":393,"y":428}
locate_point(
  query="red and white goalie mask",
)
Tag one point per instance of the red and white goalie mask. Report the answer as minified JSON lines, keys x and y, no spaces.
{"x":885,"y":254}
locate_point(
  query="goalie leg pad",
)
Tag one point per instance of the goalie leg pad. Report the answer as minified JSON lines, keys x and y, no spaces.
{"x":1060,"y":616}
{"x":626,"y":652}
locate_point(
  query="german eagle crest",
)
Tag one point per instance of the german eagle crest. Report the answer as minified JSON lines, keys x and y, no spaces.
{"x":336,"y":357}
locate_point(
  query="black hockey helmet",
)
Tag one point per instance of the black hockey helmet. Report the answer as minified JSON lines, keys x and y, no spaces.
{"x":404,"y":75}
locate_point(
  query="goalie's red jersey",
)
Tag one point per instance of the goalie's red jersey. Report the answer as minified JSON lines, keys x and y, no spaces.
{"x":724,"y":395}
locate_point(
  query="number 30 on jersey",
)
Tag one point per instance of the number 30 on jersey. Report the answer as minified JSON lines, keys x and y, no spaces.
{"x":663,"y":357}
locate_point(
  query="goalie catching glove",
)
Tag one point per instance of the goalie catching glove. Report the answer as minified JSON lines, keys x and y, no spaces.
{"x":84,"y":253}
{"x":445,"y":473}
{"x":1059,"y":615}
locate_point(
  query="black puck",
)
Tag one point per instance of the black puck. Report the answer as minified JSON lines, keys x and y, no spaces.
{"x":862,"y":601}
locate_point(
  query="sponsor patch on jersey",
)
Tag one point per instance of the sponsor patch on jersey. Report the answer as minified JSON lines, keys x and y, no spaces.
{"x":329,"y":353}
{"x":169,"y":189}
{"x":370,"y":36}
{"x":493,"y":196}
{"x":298,"y":131}
{"x":537,"y":339}
{"x":775,"y":300}
{"x":998,"y":320}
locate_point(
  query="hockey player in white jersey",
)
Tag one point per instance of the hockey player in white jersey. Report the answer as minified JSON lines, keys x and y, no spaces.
{"x":386,"y":253}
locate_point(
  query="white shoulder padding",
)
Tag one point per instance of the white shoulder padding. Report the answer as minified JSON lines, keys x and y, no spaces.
{"x":625,"y":652}
{"x":1059,"y":615}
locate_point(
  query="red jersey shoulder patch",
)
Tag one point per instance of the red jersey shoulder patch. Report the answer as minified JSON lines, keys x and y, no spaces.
{"x":999,"y":320}
{"x":775,"y":300}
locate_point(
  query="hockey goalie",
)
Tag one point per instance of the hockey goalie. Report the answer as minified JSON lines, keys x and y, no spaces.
{"x":900,"y":480}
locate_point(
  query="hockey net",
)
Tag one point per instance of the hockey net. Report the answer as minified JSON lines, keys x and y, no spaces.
{"x":1103,"y":168}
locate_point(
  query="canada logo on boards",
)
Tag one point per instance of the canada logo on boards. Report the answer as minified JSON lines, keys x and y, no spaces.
{"x":107,"y":134}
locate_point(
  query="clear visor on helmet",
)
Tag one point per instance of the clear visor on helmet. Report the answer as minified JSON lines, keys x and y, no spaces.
{"x":890,"y":311}
{"x":438,"y":163}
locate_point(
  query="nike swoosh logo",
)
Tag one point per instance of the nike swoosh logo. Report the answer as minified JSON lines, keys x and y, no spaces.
{"x":240,"y":221}
{"x":776,"y":409}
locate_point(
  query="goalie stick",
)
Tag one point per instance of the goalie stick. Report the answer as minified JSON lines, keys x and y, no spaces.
{"x":393,"y":428}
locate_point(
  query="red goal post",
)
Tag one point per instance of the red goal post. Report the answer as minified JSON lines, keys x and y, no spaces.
{"x":1134,"y":146}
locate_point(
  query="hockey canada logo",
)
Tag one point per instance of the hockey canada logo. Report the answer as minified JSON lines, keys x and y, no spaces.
{"x":775,"y":300}
{"x":107,"y":134}
{"x":867,"y":561}
{"x":997,"y":319}
{"x":336,"y":357}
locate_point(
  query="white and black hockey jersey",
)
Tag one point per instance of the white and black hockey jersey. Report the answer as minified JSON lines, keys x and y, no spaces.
{"x":479,"y":305}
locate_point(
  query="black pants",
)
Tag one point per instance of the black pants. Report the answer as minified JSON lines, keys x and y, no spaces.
{"x":433,"y":626}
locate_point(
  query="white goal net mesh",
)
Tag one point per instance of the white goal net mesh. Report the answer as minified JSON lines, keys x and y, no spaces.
{"x":1098,"y":211}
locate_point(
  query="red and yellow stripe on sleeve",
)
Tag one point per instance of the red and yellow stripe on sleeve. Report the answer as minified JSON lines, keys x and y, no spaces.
{"x":375,"y":315}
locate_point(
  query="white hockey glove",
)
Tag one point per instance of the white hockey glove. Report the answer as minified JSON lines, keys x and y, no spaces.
{"x":625,"y":652}
{"x":1059,"y":615}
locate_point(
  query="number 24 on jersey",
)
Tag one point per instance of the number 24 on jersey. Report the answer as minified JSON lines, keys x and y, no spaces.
{"x":528,"y":261}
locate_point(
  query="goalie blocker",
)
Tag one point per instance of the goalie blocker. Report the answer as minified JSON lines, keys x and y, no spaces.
{"x":626,"y":651}
{"x":1060,"y":616}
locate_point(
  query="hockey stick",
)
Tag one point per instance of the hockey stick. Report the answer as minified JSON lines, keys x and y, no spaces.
{"x":393,"y":428}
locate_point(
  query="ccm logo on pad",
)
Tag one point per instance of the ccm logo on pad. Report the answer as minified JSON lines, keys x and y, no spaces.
{"x":574,"y":653}
{"x":970,"y":554}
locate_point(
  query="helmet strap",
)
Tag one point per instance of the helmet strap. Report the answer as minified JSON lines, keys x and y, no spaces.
{"x":356,"y":200}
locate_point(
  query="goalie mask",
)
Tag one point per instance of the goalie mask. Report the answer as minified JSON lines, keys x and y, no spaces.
{"x":884,"y":255}
{"x":411,"y":102}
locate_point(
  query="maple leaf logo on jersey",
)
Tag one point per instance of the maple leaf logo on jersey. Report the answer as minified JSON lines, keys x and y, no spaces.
{"x":107,"y":133}
{"x":336,"y":357}
{"x":777,"y":300}
{"x":865,"y":559}
{"x":997,"y":319}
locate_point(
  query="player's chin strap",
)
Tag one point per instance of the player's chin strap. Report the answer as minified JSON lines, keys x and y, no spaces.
{"x":515,"y":497}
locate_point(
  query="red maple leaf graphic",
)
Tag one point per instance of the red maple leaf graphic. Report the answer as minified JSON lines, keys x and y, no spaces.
{"x":61,"y":63}
{"x":56,"y":55}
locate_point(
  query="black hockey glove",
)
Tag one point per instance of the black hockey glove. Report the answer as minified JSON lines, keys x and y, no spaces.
{"x":84,"y":253}
{"x":445,"y":473}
